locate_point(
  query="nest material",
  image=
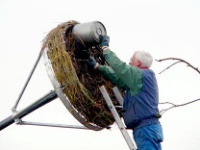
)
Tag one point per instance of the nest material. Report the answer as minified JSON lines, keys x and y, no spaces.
{"x":79,"y":82}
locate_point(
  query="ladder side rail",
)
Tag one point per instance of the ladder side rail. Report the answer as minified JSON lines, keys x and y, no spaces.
{"x":117,"y":119}
{"x":118,"y":95}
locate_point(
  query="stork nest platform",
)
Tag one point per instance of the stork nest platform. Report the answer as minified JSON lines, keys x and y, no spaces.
{"x":77,"y":82}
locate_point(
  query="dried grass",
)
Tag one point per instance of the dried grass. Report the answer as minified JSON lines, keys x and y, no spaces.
{"x":80,"y":83}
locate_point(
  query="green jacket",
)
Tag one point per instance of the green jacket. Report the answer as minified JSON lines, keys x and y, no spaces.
{"x":120,"y":73}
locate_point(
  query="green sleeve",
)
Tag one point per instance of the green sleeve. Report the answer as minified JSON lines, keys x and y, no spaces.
{"x":109,"y":73}
{"x":131,"y":76}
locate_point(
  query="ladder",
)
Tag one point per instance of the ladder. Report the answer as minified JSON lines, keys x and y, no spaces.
{"x":115,"y":114}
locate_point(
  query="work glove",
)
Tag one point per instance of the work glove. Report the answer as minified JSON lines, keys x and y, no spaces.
{"x":92,"y":63}
{"x":104,"y":41}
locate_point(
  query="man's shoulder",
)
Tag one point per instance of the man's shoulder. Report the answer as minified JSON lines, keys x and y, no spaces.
{"x":147,"y":72}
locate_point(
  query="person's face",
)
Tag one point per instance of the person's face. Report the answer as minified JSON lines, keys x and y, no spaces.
{"x":134,"y":61}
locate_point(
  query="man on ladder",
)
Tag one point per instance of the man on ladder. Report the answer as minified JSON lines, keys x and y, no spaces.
{"x":140,"y":105}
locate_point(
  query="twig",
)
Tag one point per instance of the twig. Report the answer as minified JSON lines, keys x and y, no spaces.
{"x":178,"y":61}
{"x":174,"y":105}
{"x":168,"y":103}
{"x":169,"y":66}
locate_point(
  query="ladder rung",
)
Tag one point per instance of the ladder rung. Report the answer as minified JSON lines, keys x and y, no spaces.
{"x":118,"y":107}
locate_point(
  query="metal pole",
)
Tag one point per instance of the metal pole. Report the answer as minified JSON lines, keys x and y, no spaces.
{"x":27,"y":81}
{"x":51,"y":125}
{"x":18,"y":115}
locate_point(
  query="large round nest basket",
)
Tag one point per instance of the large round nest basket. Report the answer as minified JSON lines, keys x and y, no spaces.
{"x":76,"y":84}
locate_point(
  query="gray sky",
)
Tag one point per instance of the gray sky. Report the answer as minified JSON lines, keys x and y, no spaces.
{"x":164,"y":28}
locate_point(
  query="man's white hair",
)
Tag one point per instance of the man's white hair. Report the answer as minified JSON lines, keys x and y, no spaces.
{"x":144,"y":57}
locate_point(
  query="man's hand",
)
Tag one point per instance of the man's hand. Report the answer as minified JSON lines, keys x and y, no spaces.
{"x":104,"y":41}
{"x":92,"y":63}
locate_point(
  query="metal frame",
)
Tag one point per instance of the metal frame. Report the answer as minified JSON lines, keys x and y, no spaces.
{"x":17,"y":115}
{"x":20,"y":122}
{"x":64,"y":98}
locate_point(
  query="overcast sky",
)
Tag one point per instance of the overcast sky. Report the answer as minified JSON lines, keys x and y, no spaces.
{"x":167,"y":28}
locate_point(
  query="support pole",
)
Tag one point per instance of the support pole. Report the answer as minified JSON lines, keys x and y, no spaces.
{"x":37,"y":104}
{"x":51,"y":125}
{"x":27,"y":81}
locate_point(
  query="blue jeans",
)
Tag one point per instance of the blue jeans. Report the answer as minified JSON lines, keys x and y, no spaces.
{"x":149,"y":137}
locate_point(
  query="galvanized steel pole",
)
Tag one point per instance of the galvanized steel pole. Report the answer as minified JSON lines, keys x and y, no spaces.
{"x":37,"y":104}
